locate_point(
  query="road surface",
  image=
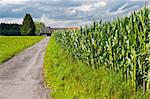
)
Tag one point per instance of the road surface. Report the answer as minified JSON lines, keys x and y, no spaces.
{"x":21,"y":77}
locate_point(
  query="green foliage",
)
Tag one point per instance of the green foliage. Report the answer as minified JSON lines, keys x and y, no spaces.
{"x":10,"y":29}
{"x":38,"y":26}
{"x":122,"y":45}
{"x":28,"y":27}
{"x":70,"y":79}
{"x":11,"y":45}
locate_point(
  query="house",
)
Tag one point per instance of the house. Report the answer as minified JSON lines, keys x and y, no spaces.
{"x":47,"y":31}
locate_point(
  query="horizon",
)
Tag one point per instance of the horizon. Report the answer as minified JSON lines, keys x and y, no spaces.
{"x":66,"y":13}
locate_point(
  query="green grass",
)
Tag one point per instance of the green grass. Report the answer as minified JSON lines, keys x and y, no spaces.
{"x":10,"y":45}
{"x":70,"y":79}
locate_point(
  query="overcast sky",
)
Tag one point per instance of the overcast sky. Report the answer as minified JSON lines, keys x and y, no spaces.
{"x":60,"y":13}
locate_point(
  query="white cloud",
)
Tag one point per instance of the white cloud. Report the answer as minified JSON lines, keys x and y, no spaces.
{"x":84,"y":8}
{"x":5,"y":2}
{"x":121,"y":8}
{"x":138,"y":0}
{"x":11,"y":20}
{"x":50,"y":22}
{"x":87,"y":7}
{"x":91,"y":7}
{"x":121,"y":11}
{"x":18,"y":9}
{"x":100,"y":4}
{"x":57,"y":23}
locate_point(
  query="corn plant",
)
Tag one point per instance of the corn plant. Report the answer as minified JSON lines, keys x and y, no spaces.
{"x":121,"y":45}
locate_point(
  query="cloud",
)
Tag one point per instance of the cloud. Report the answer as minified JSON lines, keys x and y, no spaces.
{"x":124,"y":7}
{"x":86,"y":7}
{"x":5,"y":2}
{"x":11,"y":20}
{"x":66,"y":12}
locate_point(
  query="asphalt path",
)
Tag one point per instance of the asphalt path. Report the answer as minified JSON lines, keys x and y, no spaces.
{"x":22,"y":76}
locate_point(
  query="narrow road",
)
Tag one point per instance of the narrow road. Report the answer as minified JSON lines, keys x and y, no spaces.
{"x":21,"y":77}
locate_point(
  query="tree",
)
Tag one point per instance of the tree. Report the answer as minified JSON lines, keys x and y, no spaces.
{"x":10,"y":29}
{"x":38,"y":26}
{"x":28,"y":27}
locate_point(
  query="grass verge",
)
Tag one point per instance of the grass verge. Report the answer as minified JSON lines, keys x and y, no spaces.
{"x":10,"y":45}
{"x":70,"y":79}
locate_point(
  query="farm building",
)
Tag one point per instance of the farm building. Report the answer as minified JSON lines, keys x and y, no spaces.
{"x":47,"y":31}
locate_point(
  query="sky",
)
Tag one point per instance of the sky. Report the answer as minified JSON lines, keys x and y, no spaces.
{"x":62,"y":13}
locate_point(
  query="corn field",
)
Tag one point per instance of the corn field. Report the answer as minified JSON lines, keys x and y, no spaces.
{"x":121,"y":45}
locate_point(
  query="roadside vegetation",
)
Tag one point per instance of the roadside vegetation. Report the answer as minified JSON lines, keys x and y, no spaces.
{"x":38,"y":27}
{"x":107,"y":60}
{"x":10,"y":45}
{"x":72,"y":79}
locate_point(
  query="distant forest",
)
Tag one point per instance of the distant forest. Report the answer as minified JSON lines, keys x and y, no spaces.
{"x":10,"y":29}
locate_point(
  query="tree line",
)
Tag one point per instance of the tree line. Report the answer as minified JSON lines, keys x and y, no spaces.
{"x":10,"y":29}
{"x":28,"y":28}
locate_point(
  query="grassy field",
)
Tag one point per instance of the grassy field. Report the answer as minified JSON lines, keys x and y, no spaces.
{"x":10,"y":45}
{"x":70,"y":79}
